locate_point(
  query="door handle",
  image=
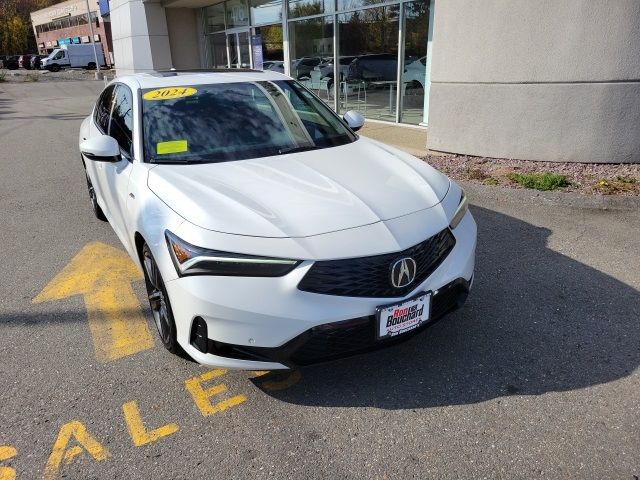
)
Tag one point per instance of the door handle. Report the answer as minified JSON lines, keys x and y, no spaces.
{"x":132,"y":195}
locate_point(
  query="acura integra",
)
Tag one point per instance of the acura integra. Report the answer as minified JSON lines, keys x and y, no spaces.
{"x":270,"y":234}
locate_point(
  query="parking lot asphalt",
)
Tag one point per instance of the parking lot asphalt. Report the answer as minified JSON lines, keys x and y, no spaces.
{"x":536,"y":377}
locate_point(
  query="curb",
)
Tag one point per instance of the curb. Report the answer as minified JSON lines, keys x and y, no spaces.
{"x":564,"y":199}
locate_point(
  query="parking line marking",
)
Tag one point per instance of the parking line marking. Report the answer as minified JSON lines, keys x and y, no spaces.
{"x":103,"y":274}
{"x":201,"y":396}
{"x":135,"y":425}
{"x":7,"y":452}
{"x":60,"y":453}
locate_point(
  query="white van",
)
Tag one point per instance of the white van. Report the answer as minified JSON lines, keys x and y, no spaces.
{"x":74,"y":56}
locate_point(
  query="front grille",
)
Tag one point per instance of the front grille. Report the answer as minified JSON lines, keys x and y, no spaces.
{"x":328,"y":342}
{"x":371,"y":276}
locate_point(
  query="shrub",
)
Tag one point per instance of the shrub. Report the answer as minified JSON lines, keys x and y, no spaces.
{"x":540,"y":181}
{"x":617,"y":185}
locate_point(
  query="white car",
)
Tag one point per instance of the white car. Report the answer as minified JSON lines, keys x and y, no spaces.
{"x":269,"y":233}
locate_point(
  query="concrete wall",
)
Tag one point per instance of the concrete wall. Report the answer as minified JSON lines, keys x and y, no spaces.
{"x":140,"y":36}
{"x":542,"y":80}
{"x":183,"y":37}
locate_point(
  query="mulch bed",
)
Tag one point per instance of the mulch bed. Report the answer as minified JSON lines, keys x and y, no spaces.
{"x":587,"y":178}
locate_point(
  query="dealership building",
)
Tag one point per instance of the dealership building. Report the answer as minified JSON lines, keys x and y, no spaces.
{"x":541,"y":80}
{"x":68,"y":23}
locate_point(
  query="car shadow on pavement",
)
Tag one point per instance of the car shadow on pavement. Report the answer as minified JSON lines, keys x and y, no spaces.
{"x":536,"y":321}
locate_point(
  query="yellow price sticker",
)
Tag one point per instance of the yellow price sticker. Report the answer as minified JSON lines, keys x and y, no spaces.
{"x":169,"y":93}
{"x":174,"y":146}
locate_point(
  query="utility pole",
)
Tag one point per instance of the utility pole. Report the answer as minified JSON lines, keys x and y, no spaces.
{"x":93,"y":41}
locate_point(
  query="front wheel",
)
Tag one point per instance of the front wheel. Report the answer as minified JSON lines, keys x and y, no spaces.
{"x":55,"y":67}
{"x":159,"y":302}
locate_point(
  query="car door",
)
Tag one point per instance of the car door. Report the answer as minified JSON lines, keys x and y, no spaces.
{"x":115,"y":177}
{"x":100,"y":126}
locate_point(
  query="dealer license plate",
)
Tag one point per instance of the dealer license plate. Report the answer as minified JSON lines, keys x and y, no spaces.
{"x":403,"y":317}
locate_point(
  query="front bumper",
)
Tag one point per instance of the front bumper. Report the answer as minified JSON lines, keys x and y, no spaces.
{"x":336,"y":340}
{"x":268,"y":323}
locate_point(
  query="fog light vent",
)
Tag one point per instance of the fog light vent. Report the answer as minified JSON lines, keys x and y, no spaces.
{"x":199,"y":337}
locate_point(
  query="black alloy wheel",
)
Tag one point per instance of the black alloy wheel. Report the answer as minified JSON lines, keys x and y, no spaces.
{"x":159,"y":302}
{"x":97,"y":211}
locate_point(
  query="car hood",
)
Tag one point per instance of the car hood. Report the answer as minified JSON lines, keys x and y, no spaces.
{"x":301,"y":194}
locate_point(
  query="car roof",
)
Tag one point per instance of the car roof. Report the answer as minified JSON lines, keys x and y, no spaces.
{"x":178,"y":78}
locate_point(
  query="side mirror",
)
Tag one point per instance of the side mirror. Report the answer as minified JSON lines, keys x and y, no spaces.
{"x":102,"y":148}
{"x":354,"y":120}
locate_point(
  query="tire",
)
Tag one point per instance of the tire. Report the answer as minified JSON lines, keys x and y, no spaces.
{"x":91,"y":66}
{"x":97,"y":211}
{"x":55,"y":67}
{"x":159,"y":303}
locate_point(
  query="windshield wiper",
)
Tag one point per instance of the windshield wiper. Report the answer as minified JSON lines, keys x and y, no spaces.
{"x":300,"y":148}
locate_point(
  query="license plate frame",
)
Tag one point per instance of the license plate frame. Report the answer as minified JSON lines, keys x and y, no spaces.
{"x":423,"y":318}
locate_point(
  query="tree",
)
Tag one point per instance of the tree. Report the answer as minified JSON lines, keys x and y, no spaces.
{"x":16,"y":32}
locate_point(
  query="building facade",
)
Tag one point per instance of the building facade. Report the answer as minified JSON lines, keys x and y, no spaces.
{"x":68,"y":22}
{"x":543,"y":80}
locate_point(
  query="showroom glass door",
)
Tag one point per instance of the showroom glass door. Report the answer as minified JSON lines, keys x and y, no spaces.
{"x":239,"y":49}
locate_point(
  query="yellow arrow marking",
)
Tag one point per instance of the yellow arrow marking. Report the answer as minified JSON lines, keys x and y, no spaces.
{"x":102,"y":275}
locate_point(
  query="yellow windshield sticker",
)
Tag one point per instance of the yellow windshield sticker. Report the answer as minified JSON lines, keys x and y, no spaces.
{"x":174,"y":146}
{"x":169,"y":93}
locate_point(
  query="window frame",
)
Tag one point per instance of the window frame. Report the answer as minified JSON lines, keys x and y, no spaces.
{"x":111,"y":87}
{"x":130,"y":154}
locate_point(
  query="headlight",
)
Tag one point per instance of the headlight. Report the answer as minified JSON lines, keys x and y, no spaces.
{"x":191,"y":260}
{"x":463,"y":206}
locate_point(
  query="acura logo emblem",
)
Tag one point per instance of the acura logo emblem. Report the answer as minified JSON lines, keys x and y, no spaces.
{"x":403,"y":272}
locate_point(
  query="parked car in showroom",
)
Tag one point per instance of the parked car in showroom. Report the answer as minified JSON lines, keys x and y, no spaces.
{"x":415,"y":73}
{"x":302,"y":67}
{"x":374,"y":67}
{"x":326,"y":69}
{"x":269,"y":233}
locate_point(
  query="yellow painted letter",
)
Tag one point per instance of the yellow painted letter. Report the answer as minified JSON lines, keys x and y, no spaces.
{"x":62,"y":452}
{"x":136,"y":428}
{"x":201,"y":395}
{"x":7,"y":453}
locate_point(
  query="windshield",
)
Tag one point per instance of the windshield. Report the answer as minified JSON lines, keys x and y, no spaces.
{"x":236,"y":121}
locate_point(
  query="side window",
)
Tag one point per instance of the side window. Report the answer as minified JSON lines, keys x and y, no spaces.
{"x":103,"y":109}
{"x":121,"y":127}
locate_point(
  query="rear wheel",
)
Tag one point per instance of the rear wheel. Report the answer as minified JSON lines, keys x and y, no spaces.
{"x":159,"y":302}
{"x":94,"y":200}
{"x":91,"y":66}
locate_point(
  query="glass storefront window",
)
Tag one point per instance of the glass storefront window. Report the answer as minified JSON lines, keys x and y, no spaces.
{"x":311,"y":43}
{"x":368,"y":52}
{"x":266,"y":11}
{"x":237,"y":13}
{"x":414,"y":70}
{"x":369,"y":81}
{"x":214,"y":18}
{"x":272,"y":53}
{"x":304,"y":8}
{"x":356,"y":4}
